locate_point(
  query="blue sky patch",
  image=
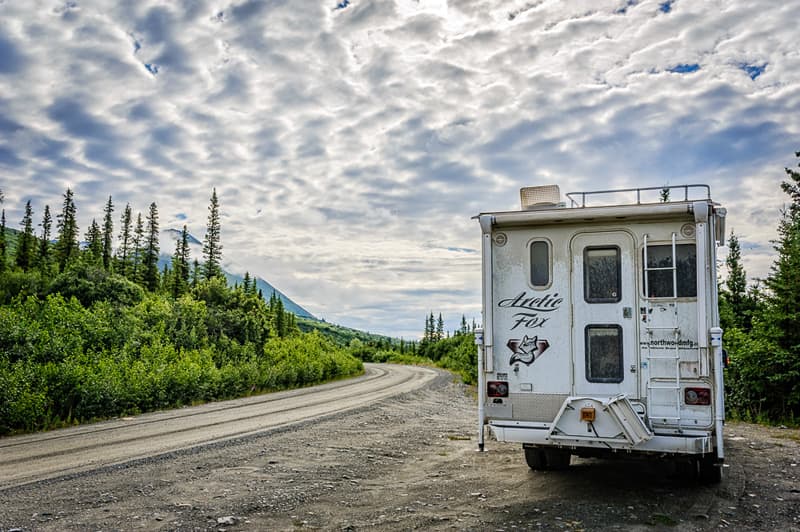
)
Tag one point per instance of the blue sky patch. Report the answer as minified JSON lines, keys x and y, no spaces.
{"x":666,"y":7}
{"x":685,"y":68}
{"x":343,"y":4}
{"x":753,"y":70}
{"x":11,"y":61}
{"x":153,"y":69}
{"x":624,"y":9}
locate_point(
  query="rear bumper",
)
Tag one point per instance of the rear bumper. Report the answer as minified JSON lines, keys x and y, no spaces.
{"x":689,"y":442}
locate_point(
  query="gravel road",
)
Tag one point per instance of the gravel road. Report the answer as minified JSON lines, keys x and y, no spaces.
{"x":407,"y":461}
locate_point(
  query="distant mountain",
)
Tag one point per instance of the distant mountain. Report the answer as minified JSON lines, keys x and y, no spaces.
{"x":175,"y":234}
{"x":170,"y":236}
{"x":266,"y":291}
{"x":340,"y":334}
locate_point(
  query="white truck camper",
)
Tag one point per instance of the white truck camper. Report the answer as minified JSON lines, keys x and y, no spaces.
{"x":601,"y":329}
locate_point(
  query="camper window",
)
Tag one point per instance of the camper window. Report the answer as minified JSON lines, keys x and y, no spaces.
{"x":659,"y":271}
{"x":540,"y":264}
{"x":604,"y":353}
{"x":602,"y":279}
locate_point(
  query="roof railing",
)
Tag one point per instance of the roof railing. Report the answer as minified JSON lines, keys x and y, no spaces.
{"x":689,"y":193}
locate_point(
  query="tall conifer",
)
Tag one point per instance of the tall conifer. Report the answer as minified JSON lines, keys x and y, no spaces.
{"x":212,"y":248}
{"x":124,"y":251}
{"x":108,"y":234}
{"x":137,"y":249}
{"x":151,"y":250}
{"x":66,"y":248}
{"x":26,"y":242}
{"x":180,"y":265}
{"x":43,"y":259}
{"x":94,"y":241}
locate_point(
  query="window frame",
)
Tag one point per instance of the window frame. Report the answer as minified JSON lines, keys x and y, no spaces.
{"x":586,"y":297}
{"x":646,"y":281}
{"x":549,"y":245}
{"x":587,"y":353}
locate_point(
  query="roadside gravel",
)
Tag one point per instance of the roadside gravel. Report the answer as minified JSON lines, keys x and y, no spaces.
{"x":409,"y":462}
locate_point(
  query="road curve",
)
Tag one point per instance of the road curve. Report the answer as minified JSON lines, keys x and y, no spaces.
{"x":34,"y":457}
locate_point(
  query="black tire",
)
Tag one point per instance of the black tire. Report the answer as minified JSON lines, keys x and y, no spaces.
{"x":547,"y":459}
{"x":535,"y":458}
{"x":702,"y":470}
{"x":557,"y":459}
{"x":709,"y":471}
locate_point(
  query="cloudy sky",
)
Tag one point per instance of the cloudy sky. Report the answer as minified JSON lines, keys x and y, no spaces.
{"x":351,"y":143}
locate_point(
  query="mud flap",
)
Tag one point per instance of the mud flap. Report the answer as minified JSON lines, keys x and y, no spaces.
{"x":591,"y":419}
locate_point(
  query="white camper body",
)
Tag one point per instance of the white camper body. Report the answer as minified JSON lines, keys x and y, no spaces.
{"x":601,"y":328}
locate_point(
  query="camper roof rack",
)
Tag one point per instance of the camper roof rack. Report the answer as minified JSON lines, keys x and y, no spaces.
{"x":641,"y":195}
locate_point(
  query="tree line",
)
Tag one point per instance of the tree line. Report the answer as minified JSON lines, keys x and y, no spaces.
{"x":94,"y":329}
{"x":761,"y":321}
{"x":135,"y":257}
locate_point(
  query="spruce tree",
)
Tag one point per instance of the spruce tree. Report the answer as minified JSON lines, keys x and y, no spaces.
{"x":124,"y":252}
{"x":272,"y":301}
{"x":737,"y":303}
{"x":94,"y":240}
{"x":431,"y":328}
{"x":108,"y":234}
{"x":66,"y":247}
{"x":165,"y":279}
{"x":783,"y":284}
{"x":195,"y":273}
{"x":212,"y":249}
{"x":137,"y":249}
{"x":26,"y":242}
{"x":280,"y":318}
{"x":246,"y":283}
{"x":773,"y":360}
{"x":180,"y":265}
{"x":151,"y":250}
{"x":291,"y":323}
{"x":440,"y":327}
{"x":43,"y":259}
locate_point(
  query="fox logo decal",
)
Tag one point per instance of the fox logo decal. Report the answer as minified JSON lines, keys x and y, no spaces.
{"x":527,"y":350}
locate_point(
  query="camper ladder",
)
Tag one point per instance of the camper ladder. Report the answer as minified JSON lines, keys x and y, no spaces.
{"x":660,"y":382}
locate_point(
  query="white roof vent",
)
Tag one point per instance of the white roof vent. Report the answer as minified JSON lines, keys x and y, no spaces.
{"x":539,"y":197}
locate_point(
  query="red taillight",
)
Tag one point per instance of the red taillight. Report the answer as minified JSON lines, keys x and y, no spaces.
{"x":497,"y":389}
{"x":697,"y":396}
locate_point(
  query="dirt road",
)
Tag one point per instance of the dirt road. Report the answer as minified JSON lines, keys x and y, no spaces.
{"x":407,"y":461}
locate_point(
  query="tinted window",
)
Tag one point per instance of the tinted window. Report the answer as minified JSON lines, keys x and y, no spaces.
{"x":604,"y":353}
{"x":540,"y":264}
{"x":601,"y":267}
{"x":659,"y":274}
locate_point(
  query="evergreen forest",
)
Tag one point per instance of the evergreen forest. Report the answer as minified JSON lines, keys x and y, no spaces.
{"x":92,"y":330}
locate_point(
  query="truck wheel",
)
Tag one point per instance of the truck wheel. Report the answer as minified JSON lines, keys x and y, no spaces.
{"x":535,"y":458}
{"x":557,"y":459}
{"x":709,"y":472}
{"x":547,"y":459}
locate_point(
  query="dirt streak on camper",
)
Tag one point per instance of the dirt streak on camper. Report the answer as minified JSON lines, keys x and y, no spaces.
{"x":601,"y":329}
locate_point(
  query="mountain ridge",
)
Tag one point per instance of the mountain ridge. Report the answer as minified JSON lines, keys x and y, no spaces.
{"x":196,"y":250}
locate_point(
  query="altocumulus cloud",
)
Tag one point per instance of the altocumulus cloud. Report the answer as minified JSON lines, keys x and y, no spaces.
{"x":350,"y":142}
